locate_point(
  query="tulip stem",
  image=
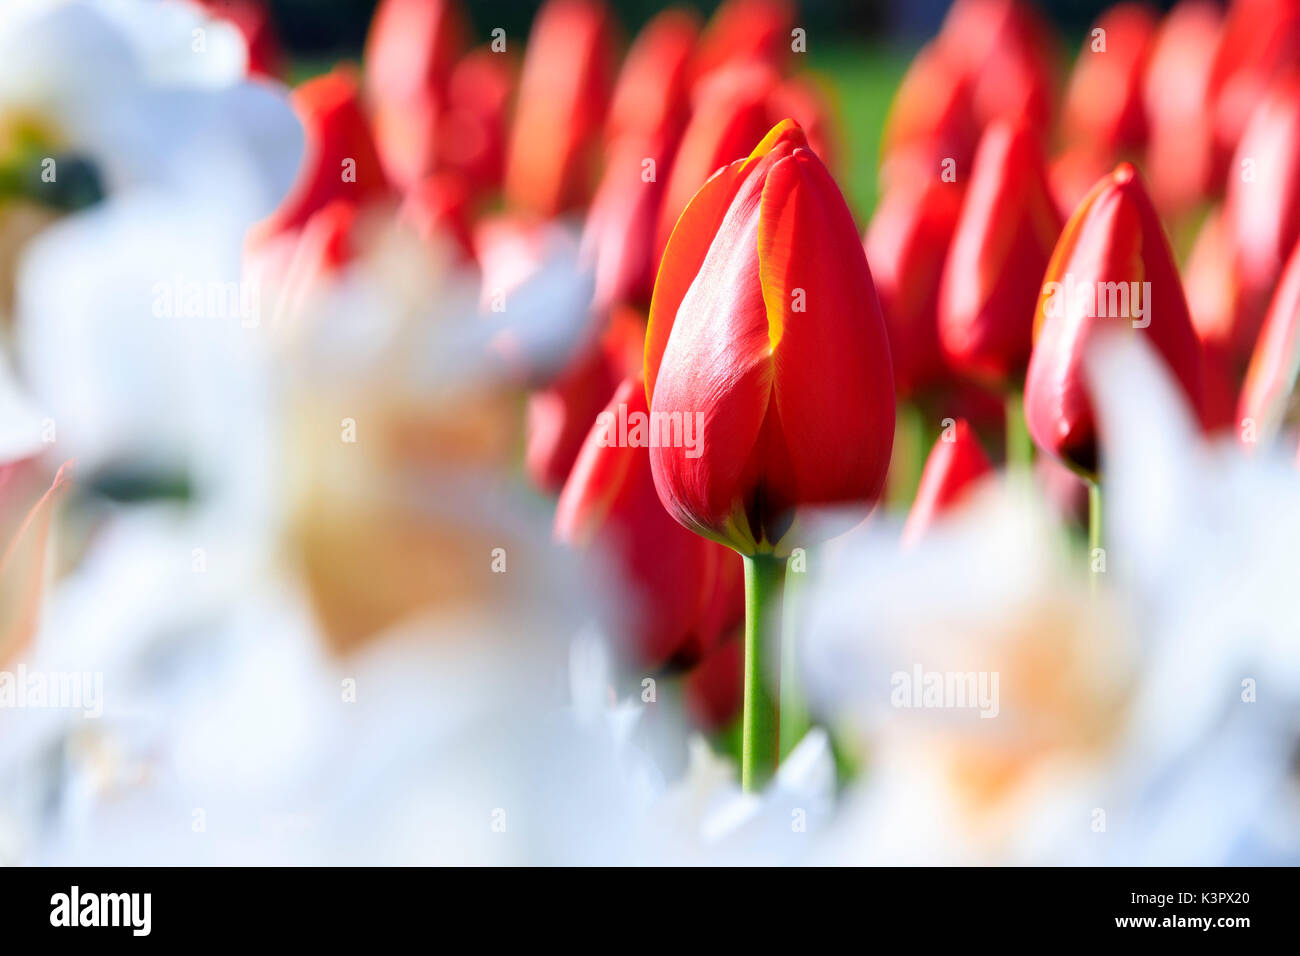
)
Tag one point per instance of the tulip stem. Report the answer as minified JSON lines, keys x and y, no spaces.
{"x":793,"y":710}
{"x":760,"y":727}
{"x":1094,"y":530}
{"x":1019,"y":448}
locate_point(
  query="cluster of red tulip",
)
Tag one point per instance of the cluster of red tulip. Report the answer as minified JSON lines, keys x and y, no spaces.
{"x":733,"y":288}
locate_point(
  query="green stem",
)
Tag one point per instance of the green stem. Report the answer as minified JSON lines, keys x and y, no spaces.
{"x":1020,"y":449}
{"x":764,"y":584}
{"x":1094,"y":528}
{"x":793,"y":710}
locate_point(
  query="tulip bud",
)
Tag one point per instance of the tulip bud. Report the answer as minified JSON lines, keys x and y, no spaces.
{"x":410,"y":52}
{"x":437,"y":208}
{"x":568,"y":71}
{"x":1260,"y":38}
{"x":1175,"y":91}
{"x":473,"y":126}
{"x":931,"y":120}
{"x":716,"y":688}
{"x":766,"y":346}
{"x":906,"y":245}
{"x":746,"y":31}
{"x":734,"y":109}
{"x":339,"y":158}
{"x":1009,"y":54}
{"x":1103,"y":102}
{"x":671,"y":575}
{"x":1267,"y":395}
{"x":956,"y":464}
{"x":992,"y":278}
{"x":1262,"y":207}
{"x":652,"y":96}
{"x":1112,"y":268}
{"x":619,"y":236}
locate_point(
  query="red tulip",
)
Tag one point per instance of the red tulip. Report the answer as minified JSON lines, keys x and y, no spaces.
{"x":619,"y":236}
{"x":1009,"y":55}
{"x":672,"y":576}
{"x":992,"y":278}
{"x":24,"y":532}
{"x":560,"y":414}
{"x":410,"y":52}
{"x":931,"y":119}
{"x":766,"y":339}
{"x":1262,"y":208}
{"x":472,"y":127}
{"x":1217,"y":306}
{"x":339,"y":158}
{"x":1113,"y":261}
{"x":563,"y":94}
{"x":745,"y":31}
{"x":906,"y":245}
{"x":1103,"y":102}
{"x":652,"y":96}
{"x":733,"y":111}
{"x":438,"y":207}
{"x":1180,"y":150}
{"x":716,"y":688}
{"x":1259,"y":39}
{"x":1267,"y":395}
{"x":956,"y":464}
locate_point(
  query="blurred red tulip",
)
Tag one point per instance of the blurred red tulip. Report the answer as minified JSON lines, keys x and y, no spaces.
{"x":956,"y":464}
{"x":339,"y":158}
{"x":1267,"y":397}
{"x":715,"y":690}
{"x":24,"y":533}
{"x":744,"y":31}
{"x":619,"y":237}
{"x":733,"y":111}
{"x":438,"y":206}
{"x":766,"y":340}
{"x":652,"y":96}
{"x":253,"y":19}
{"x":1262,"y":207}
{"x":1259,"y":39}
{"x":1103,"y":102}
{"x":1008,"y":226}
{"x":472,"y":128}
{"x":1009,"y":55}
{"x":931,"y":119}
{"x":563,"y":94}
{"x":1112,"y":268}
{"x":672,"y":576}
{"x":409,"y":55}
{"x":1217,"y":306}
{"x":559,"y":416}
{"x":1180,"y":146}
{"x":1074,"y":172}
{"x":906,"y":245}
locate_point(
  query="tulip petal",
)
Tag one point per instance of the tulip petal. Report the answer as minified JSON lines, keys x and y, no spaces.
{"x":693,"y":235}
{"x":833,"y":381}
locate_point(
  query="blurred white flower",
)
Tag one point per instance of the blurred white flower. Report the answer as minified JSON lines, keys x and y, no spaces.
{"x":123,"y":319}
